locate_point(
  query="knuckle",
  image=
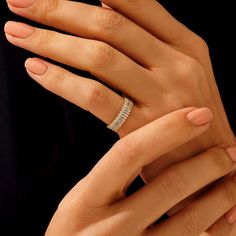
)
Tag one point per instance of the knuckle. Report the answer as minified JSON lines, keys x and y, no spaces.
{"x":63,"y":205}
{"x":48,"y":7}
{"x":220,"y":161}
{"x":188,"y":71}
{"x":172,"y":183}
{"x":109,"y":21}
{"x":44,"y":40}
{"x":55,"y":81}
{"x":127,"y":151}
{"x":200,"y":43}
{"x":192,"y":223}
{"x":95,"y":95}
{"x":229,"y":193}
{"x":186,"y":67}
{"x":71,"y":199}
{"x":100,"y":54}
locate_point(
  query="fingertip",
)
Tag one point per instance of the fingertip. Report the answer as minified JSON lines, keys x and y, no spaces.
{"x":200,"y":116}
{"x":32,"y":75}
{"x":231,"y":215}
{"x":36,"y":66}
{"x":9,"y":38}
{"x":27,"y":61}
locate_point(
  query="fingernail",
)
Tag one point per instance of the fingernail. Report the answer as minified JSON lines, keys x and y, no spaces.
{"x":18,"y":30}
{"x":231,"y":215}
{"x":200,"y":116}
{"x":36,"y":66}
{"x":21,"y":3}
{"x":232,"y":152}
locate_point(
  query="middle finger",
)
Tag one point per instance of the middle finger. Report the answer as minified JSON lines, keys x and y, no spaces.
{"x":97,"y":23}
{"x":100,"y":59}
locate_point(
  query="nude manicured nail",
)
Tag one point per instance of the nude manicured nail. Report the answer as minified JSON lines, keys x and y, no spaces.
{"x":200,"y":116}
{"x":36,"y":66}
{"x":21,"y":3}
{"x":232,"y":152}
{"x":18,"y":29}
{"x":231,"y":216}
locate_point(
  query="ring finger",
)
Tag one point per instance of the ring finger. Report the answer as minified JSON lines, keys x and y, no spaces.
{"x":85,"y":93}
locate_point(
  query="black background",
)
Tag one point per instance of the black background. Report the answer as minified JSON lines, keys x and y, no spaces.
{"x":48,"y":144}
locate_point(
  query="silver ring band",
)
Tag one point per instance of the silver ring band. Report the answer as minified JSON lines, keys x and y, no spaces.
{"x":122,"y":115}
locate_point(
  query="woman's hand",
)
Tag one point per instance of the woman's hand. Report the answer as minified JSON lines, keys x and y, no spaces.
{"x":142,"y":51}
{"x":147,"y":54}
{"x":97,"y":205}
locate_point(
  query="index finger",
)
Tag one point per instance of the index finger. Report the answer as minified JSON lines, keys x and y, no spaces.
{"x":122,"y":164}
{"x":153,"y":17}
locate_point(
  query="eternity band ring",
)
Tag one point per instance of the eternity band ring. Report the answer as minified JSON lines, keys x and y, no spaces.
{"x":122,"y":116}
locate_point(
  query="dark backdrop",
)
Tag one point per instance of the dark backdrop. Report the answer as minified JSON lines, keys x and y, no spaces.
{"x":48,"y":144}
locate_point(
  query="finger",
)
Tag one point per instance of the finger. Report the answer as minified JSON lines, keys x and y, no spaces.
{"x":153,"y":17}
{"x":125,"y":160}
{"x":85,"y":93}
{"x":178,"y":182}
{"x":98,"y":23}
{"x":222,"y":227}
{"x":96,"y":57}
{"x":202,"y":213}
{"x":231,"y":215}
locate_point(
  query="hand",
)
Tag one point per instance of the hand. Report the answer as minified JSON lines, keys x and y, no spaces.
{"x":163,"y":71}
{"x":97,"y":204}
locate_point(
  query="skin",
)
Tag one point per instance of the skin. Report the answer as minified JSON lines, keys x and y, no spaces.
{"x":112,"y":213}
{"x":171,"y":70}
